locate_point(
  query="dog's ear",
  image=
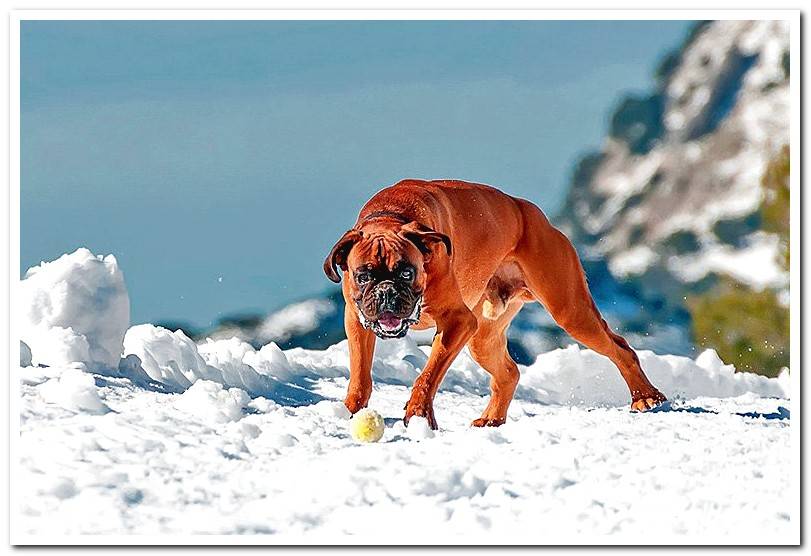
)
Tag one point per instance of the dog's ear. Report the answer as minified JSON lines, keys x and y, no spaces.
{"x":337,"y":256}
{"x":425,"y":238}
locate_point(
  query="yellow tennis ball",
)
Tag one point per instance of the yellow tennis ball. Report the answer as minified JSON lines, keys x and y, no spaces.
{"x":366,"y":425}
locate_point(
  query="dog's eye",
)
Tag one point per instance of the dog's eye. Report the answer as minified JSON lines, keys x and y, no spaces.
{"x":363,"y":277}
{"x":407,"y":274}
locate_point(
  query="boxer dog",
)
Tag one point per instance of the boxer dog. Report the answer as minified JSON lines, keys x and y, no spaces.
{"x":463,"y":257}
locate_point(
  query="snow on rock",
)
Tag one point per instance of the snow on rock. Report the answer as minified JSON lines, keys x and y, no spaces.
{"x":756,"y":264}
{"x":633,"y":261}
{"x":677,"y":209}
{"x":75,"y":309}
{"x":211,"y":402}
{"x":296,"y":318}
{"x":74,"y":390}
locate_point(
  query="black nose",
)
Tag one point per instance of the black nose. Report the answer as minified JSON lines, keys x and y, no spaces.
{"x":386,"y":297}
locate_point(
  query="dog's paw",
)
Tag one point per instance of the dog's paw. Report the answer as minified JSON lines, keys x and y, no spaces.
{"x":354,"y":404}
{"x":485,"y":422}
{"x":420,"y":409}
{"x":647,"y":401}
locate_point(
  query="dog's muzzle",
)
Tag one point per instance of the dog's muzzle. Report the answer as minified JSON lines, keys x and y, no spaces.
{"x":388,"y":325}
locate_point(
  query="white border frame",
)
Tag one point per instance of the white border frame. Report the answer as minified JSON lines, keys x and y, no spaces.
{"x":793,"y":16}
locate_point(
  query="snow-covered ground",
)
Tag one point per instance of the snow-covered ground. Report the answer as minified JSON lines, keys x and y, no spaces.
{"x":220,"y":438}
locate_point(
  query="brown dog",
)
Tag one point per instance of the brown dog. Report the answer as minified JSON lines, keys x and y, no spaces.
{"x":463,"y":257}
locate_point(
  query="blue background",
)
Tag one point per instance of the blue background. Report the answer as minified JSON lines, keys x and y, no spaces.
{"x":219,"y":161}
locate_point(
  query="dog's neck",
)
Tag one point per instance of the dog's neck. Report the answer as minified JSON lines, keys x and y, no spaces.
{"x":387,"y":215}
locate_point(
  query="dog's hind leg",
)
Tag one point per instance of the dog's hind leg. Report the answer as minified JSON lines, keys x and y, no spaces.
{"x":488,"y":347}
{"x":555,"y":277}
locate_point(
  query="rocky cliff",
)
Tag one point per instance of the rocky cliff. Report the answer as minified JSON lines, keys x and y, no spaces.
{"x":673,"y":197}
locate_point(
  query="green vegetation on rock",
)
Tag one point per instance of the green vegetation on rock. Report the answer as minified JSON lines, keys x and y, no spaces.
{"x":775,"y":208}
{"x":750,"y":328}
{"x":747,"y":328}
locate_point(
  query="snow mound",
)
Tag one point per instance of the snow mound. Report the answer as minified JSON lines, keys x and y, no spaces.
{"x":419,"y":429}
{"x":169,"y":358}
{"x":25,"y":355}
{"x":75,"y":309}
{"x":74,"y":390}
{"x":210,"y":402}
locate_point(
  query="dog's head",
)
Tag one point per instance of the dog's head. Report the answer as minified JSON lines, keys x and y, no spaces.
{"x":386,"y":274}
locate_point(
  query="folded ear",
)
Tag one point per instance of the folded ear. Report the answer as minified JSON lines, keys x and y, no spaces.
{"x":337,"y":256}
{"x":425,"y":238}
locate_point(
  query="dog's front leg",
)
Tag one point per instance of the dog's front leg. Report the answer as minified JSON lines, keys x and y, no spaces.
{"x":454,"y":329}
{"x":361,"y":352}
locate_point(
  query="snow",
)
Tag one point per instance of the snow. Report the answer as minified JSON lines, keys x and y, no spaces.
{"x":25,"y":355}
{"x":76,"y":309}
{"x":689,"y":182}
{"x":620,"y":182}
{"x":222,"y":438}
{"x":209,"y":401}
{"x":168,"y":357}
{"x":418,"y":429}
{"x":213,"y":460}
{"x":297,"y":318}
{"x":635,"y":260}
{"x":205,"y":461}
{"x":73,"y":390}
{"x":755,"y":264}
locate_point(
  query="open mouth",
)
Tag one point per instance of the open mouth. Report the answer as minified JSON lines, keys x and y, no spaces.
{"x":388,"y":325}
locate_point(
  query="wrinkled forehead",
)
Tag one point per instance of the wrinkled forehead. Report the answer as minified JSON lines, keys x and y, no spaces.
{"x":383,"y":250}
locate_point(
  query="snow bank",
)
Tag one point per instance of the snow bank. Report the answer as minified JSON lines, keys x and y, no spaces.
{"x":570,"y":376}
{"x":575,"y":376}
{"x":75,"y":309}
{"x":175,"y":362}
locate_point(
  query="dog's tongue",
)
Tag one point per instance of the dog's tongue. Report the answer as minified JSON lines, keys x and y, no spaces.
{"x":389,"y":321}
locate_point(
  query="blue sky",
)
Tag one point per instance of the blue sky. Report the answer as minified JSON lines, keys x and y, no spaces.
{"x":219,"y":161}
